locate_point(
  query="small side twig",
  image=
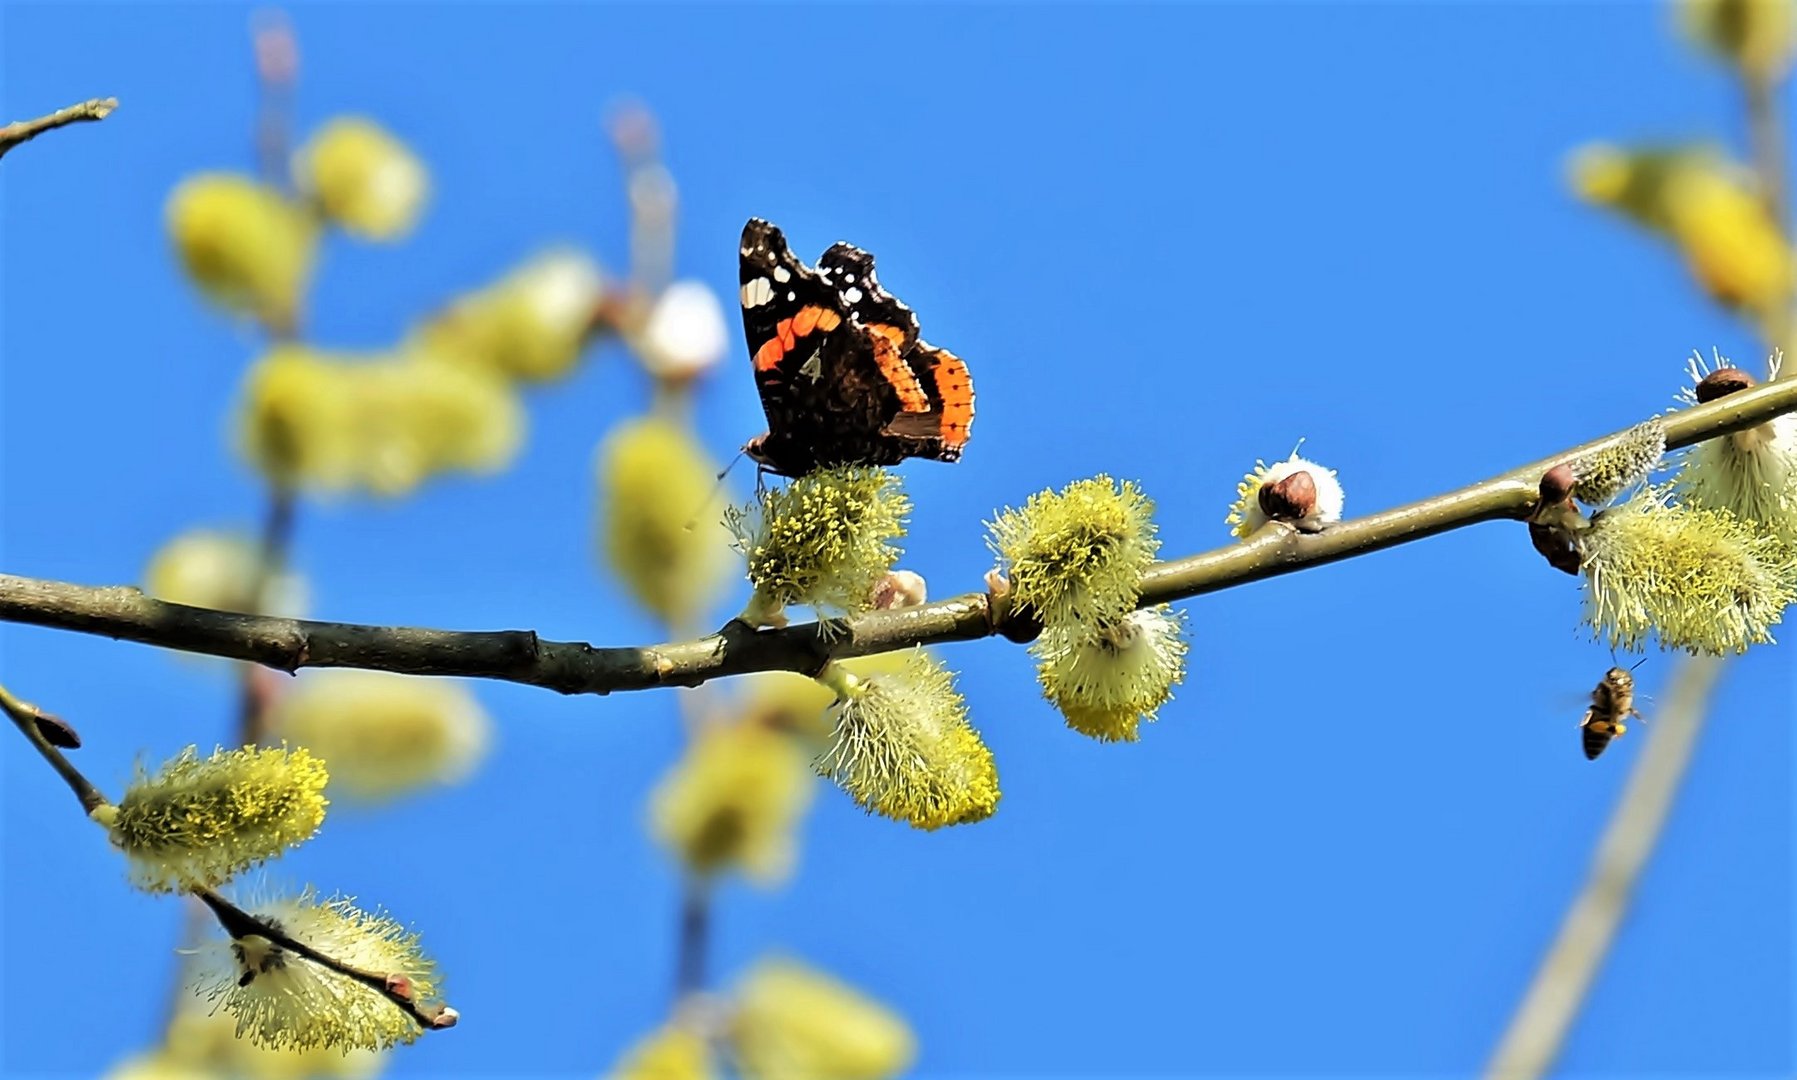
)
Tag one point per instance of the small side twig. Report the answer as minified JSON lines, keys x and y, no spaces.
{"x":20,"y":131}
{"x":240,"y":924}
{"x":277,"y":70}
{"x":694,"y":940}
{"x":30,"y":720}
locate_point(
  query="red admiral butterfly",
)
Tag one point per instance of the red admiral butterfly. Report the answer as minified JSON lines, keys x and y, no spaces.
{"x":843,"y":375}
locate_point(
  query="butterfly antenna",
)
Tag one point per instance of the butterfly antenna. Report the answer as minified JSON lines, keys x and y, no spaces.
{"x":712,"y":495}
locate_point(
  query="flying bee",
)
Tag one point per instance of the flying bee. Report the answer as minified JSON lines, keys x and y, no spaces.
{"x":1612,"y":702}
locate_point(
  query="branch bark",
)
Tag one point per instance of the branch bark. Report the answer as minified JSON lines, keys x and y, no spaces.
{"x":521,"y":656}
{"x":20,"y":131}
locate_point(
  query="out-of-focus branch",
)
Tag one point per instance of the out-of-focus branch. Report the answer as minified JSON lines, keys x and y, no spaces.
{"x":575,"y":667}
{"x":694,"y":940}
{"x":653,"y":197}
{"x":1552,"y":1002}
{"x":253,"y":704}
{"x":1766,"y":136}
{"x":25,"y":130}
{"x":277,"y":70}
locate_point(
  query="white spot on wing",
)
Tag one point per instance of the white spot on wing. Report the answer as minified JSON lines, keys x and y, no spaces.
{"x":757,"y":292}
{"x":851,"y":295}
{"x":782,"y":274}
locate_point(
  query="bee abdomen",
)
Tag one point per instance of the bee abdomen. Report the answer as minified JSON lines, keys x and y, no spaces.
{"x":1598,"y":734}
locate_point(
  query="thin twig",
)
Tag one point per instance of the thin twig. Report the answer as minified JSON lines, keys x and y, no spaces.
{"x":1766,"y":137}
{"x":1552,"y":1002}
{"x":271,"y":561}
{"x":577,"y":668}
{"x":241,"y":924}
{"x":277,"y":70}
{"x":27,"y":717}
{"x":694,"y":938}
{"x":25,"y":130}
{"x":653,"y":196}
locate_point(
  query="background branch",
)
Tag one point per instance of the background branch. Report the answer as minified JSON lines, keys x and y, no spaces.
{"x":20,"y":131}
{"x":575,"y":667}
{"x":1552,"y":1002}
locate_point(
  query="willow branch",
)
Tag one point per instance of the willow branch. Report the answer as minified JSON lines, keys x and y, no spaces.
{"x":20,"y":131}
{"x":521,"y":656}
{"x":1552,"y":1003}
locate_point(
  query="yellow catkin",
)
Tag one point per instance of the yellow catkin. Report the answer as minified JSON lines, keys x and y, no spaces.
{"x":660,"y":518}
{"x":362,"y":178}
{"x":734,"y":801}
{"x":902,"y":748}
{"x":1078,"y":555}
{"x":244,"y":244}
{"x":796,"y":1023}
{"x":198,"y":821}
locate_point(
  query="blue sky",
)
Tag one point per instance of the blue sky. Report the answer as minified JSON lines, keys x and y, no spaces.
{"x":1169,"y":240}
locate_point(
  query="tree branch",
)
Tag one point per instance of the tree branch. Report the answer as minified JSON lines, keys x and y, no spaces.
{"x":577,"y":668}
{"x":25,"y":130}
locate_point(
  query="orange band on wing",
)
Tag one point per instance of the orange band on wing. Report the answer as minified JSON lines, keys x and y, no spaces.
{"x":897,"y":373}
{"x":788,"y":332}
{"x":955,"y":384}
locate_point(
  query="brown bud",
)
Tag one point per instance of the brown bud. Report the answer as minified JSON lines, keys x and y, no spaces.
{"x":1019,"y":624}
{"x":446,"y":1018}
{"x":277,"y":50}
{"x":56,"y":731}
{"x":634,"y":131}
{"x":1721,"y":382}
{"x":1556,"y":545}
{"x":1289,"y":499}
{"x":1557,"y":484}
{"x":399,"y":986}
